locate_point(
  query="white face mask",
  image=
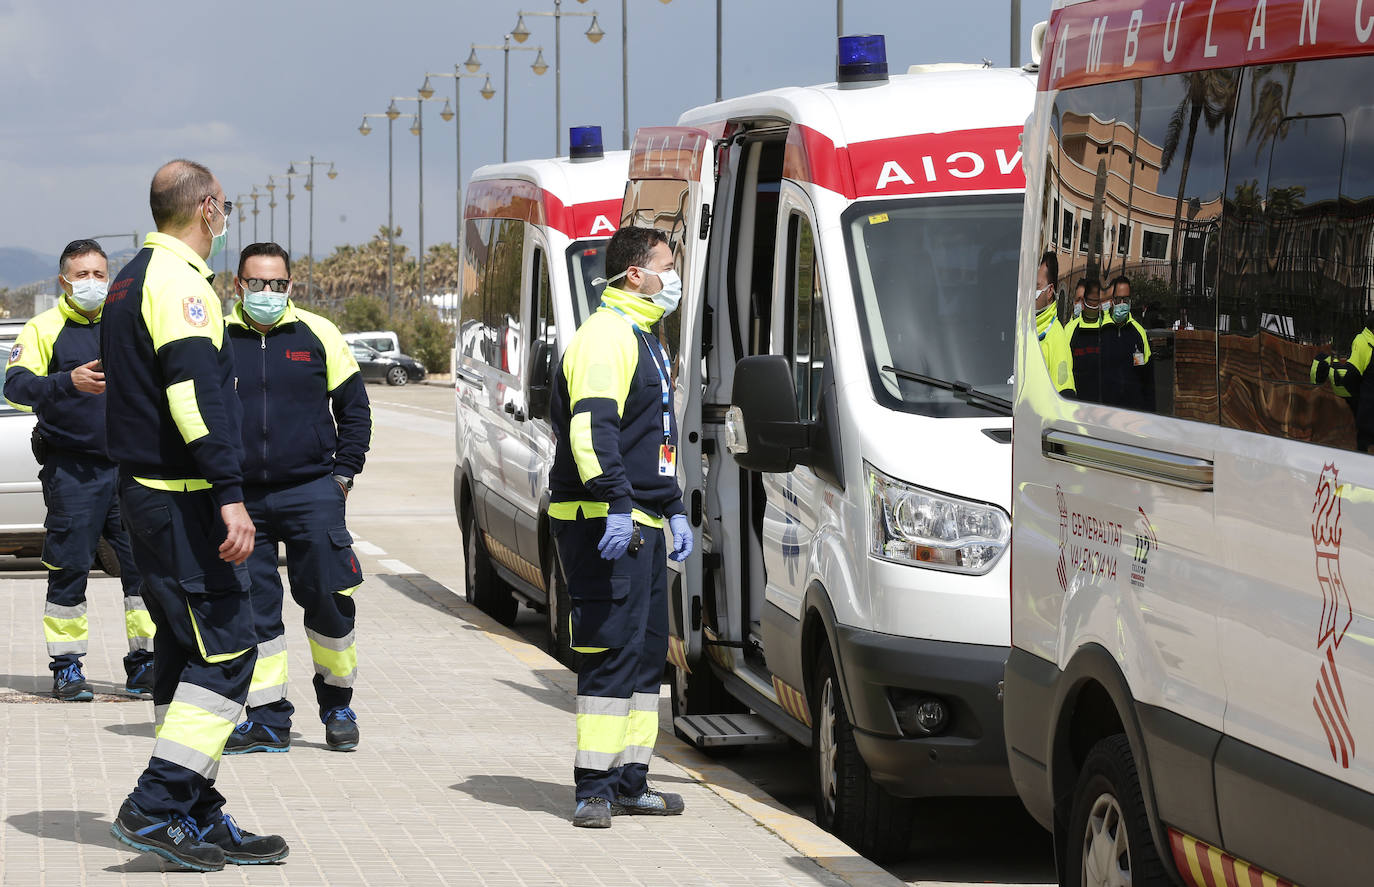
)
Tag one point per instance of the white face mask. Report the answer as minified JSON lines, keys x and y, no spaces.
{"x":670,"y":294}
{"x":88,"y":293}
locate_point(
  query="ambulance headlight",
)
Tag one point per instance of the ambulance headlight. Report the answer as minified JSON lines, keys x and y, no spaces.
{"x":584,"y":143}
{"x":920,"y":527}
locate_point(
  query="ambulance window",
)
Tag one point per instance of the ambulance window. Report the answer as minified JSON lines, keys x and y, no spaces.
{"x":473,"y":334}
{"x":501,"y":295}
{"x":544,"y":323}
{"x":1297,"y":255}
{"x":586,"y":262}
{"x":810,"y":340}
{"x":1147,"y":155}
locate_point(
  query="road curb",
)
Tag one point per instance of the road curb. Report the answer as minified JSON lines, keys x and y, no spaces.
{"x":803,"y":835}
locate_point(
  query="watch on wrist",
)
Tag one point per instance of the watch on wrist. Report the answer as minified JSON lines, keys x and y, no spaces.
{"x":345,"y":482}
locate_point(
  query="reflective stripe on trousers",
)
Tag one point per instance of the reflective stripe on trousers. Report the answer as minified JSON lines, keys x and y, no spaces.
{"x":138,"y":624}
{"x":193,"y":728}
{"x":336,"y":659}
{"x":613,"y":732}
{"x":65,"y":629}
{"x":269,"y":673}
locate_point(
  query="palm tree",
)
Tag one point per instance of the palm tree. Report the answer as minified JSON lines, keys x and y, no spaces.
{"x":1208,"y":97}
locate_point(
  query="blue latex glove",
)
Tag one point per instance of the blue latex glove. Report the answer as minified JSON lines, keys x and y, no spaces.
{"x":619,"y":528}
{"x":682,"y":537}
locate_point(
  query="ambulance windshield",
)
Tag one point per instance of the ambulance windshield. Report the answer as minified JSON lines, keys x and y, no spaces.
{"x":586,"y":262}
{"x":935,"y":280}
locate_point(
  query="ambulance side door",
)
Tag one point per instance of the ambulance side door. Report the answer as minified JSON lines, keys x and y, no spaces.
{"x":672,"y":178}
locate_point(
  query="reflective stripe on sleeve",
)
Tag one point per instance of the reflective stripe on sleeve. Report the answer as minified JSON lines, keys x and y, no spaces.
{"x":181,"y":401}
{"x":583,"y":448}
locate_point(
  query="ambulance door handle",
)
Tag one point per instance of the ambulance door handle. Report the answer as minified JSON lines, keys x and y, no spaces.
{"x":470,"y":377}
{"x":1158,"y":466}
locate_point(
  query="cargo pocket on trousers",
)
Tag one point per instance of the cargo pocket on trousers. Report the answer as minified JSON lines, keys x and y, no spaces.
{"x":603,"y":618}
{"x":221,"y":609}
{"x":61,"y":548}
{"x":345,"y":573}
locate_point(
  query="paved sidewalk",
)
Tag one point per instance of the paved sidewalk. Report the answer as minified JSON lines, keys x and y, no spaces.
{"x":463,"y":775}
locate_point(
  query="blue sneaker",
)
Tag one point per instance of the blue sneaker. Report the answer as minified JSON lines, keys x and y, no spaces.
{"x":243,"y":847}
{"x":70,"y":685}
{"x":651,"y":803}
{"x":592,"y":813}
{"x":251,"y":736}
{"x":341,"y":729}
{"x":172,"y":837}
{"x":140,"y":683}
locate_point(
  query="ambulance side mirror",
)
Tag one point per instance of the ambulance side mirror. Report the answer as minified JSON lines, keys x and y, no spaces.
{"x":541,"y":380}
{"x":762,"y":428}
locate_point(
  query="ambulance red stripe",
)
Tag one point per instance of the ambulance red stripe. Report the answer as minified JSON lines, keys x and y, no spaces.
{"x":526,"y":201}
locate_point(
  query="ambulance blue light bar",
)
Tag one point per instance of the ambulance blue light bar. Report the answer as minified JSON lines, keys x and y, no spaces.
{"x":862,"y":59}
{"x":584,"y":143}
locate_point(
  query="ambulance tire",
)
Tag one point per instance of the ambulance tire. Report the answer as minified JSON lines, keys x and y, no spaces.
{"x":849,"y":804}
{"x":106,"y":558}
{"x":484,"y":588}
{"x":558,"y":630}
{"x":1109,"y":828}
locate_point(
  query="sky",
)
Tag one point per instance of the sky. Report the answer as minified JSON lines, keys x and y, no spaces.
{"x":97,"y":96}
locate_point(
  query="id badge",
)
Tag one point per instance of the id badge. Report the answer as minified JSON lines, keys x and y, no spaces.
{"x":1138,"y":359}
{"x":667,"y":460}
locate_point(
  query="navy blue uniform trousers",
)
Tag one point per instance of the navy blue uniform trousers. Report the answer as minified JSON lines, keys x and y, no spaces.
{"x":206,"y":644}
{"x":308,"y":518}
{"x":81,"y":493}
{"x":619,"y":614}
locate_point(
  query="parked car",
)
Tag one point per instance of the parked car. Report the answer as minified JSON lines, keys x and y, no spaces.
{"x":394,"y":369}
{"x":21,"y":497}
{"x":384,"y":341}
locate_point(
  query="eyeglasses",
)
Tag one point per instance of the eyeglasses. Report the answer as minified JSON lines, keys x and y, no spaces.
{"x":257,"y":284}
{"x":226,"y":208}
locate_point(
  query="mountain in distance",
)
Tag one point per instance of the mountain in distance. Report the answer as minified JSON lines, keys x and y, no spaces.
{"x":20,"y":265}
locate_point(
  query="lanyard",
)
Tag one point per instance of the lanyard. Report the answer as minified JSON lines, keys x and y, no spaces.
{"x":662,"y":365}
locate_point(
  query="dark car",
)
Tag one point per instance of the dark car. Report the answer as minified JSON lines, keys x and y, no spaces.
{"x":397,"y":369}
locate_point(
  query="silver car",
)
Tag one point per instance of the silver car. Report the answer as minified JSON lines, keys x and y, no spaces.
{"x":21,"y":497}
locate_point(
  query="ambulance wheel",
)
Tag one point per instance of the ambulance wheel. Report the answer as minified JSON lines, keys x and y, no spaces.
{"x":106,"y":558}
{"x":849,"y":804}
{"x":1109,"y":830}
{"x":558,"y":630}
{"x":484,"y":588}
{"x":397,"y":375}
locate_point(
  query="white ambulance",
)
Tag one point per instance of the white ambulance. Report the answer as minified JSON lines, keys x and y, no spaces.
{"x":1190,"y":687}
{"x":843,"y":354}
{"x":534,"y":235}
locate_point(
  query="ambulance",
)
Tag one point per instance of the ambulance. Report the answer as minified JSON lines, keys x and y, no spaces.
{"x":534,"y":237}
{"x":843,"y":359}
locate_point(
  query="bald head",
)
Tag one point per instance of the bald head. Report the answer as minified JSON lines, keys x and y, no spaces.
{"x":179,"y":188}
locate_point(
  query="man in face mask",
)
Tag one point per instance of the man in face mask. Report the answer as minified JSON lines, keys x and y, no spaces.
{"x":172,"y":422}
{"x":1054,"y":342}
{"x":307,"y":426}
{"x":54,"y":371}
{"x":1127,"y":376}
{"x":1085,"y":342}
{"x":613,"y":487}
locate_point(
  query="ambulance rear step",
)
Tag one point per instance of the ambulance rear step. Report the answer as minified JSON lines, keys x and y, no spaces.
{"x":715,"y":731}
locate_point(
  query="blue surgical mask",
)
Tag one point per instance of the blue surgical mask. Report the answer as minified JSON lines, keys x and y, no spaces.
{"x":1121,"y":311}
{"x":1077,"y":309}
{"x":265,"y":307}
{"x":217,"y":241}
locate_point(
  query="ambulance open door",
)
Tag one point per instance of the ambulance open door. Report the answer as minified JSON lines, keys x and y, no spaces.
{"x":672,"y":180}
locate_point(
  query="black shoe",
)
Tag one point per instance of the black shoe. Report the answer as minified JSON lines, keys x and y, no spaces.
{"x":70,"y":685}
{"x":651,"y":803}
{"x":592,"y":813}
{"x":140,"y":682}
{"x":172,"y":837}
{"x":251,"y":736}
{"x":241,"y":847}
{"x":341,"y":729}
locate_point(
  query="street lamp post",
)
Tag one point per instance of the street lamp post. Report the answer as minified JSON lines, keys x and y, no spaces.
{"x":456,"y":114}
{"x":366,"y":128}
{"x":625,"y":70}
{"x":255,"y":195}
{"x":290,"y":196}
{"x":593,"y":33}
{"x":272,"y":209}
{"x":310,"y":187}
{"x":238,"y":204}
{"x":418,"y":130}
{"x":539,"y":67}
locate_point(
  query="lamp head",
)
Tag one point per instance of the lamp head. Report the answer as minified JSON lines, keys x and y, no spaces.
{"x":520,"y":32}
{"x":539,"y":66}
{"x":365,"y":128}
{"x":473,"y":63}
{"x":594,"y":33}
{"x":447,"y":113}
{"x":291,"y":170}
{"x":414,"y":126}
{"x":332,"y":173}
{"x":392,"y":112}
{"x":487,"y":89}
{"x":426,"y":91}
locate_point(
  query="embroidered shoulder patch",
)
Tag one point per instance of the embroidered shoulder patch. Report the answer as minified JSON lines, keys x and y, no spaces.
{"x":193,"y":308}
{"x":16,"y":352}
